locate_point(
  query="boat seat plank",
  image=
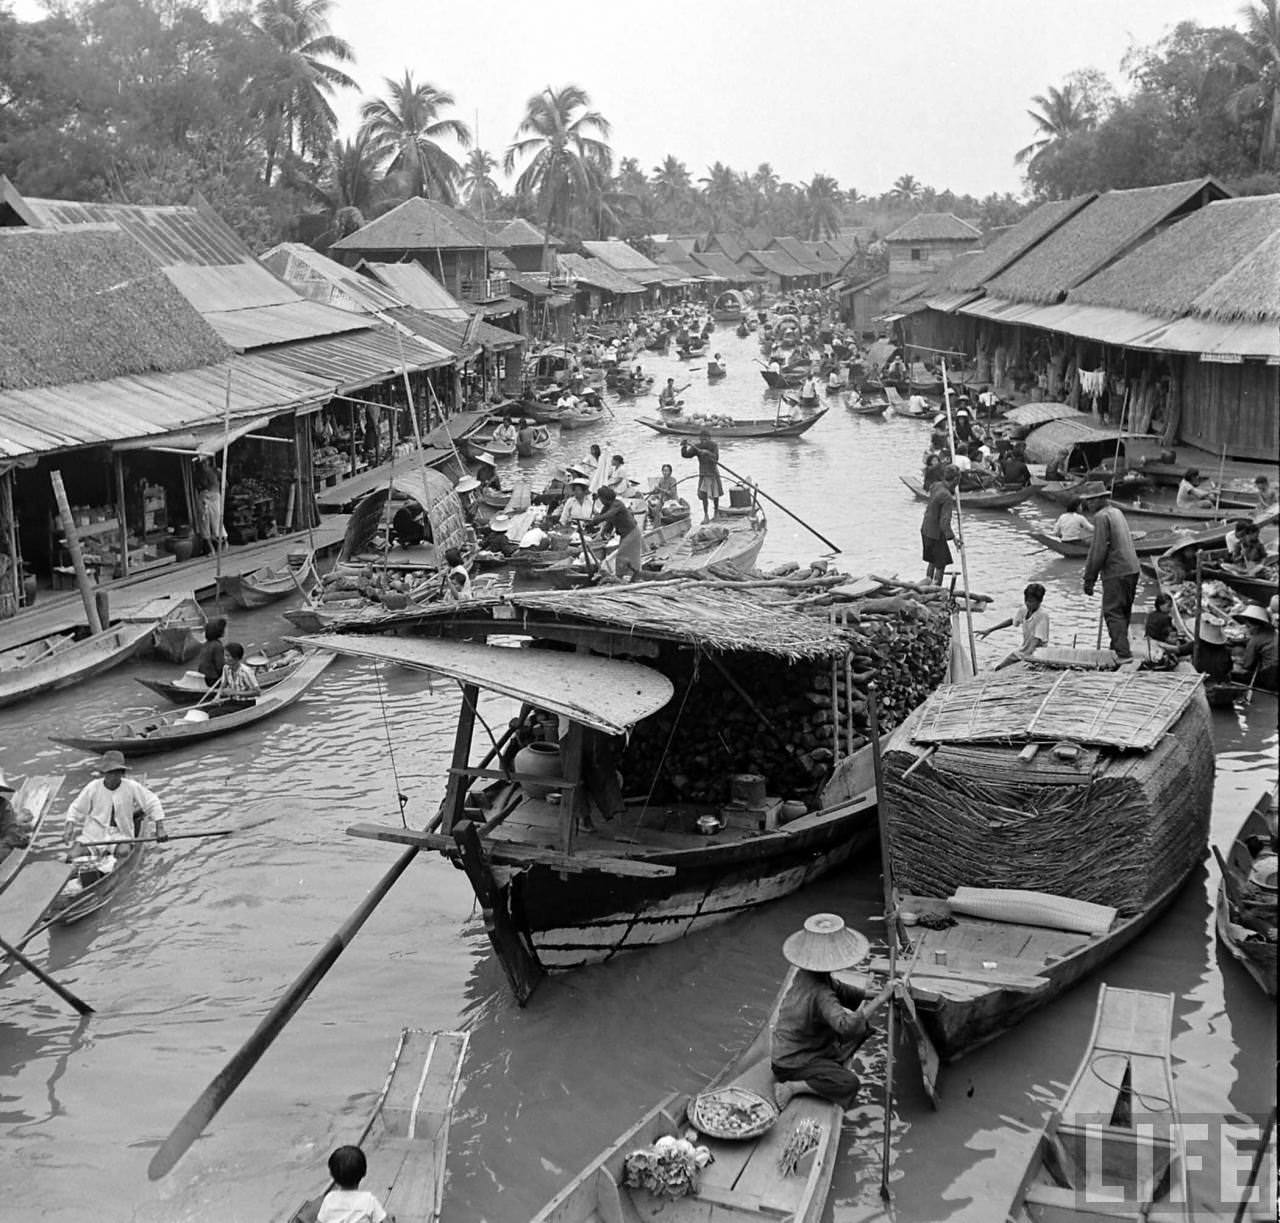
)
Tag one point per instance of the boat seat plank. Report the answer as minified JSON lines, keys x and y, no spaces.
{"x":761,"y":1179}
{"x":411,"y":1165}
{"x":740,"y":1203}
{"x":27,"y":896}
{"x":1069,"y":1204}
{"x":991,"y":978}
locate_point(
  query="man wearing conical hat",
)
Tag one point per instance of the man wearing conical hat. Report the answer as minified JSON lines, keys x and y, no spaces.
{"x":815,"y":1033}
{"x":1260,"y":661}
{"x":105,"y":811}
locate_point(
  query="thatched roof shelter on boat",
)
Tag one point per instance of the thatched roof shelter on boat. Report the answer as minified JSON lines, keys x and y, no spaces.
{"x":1045,"y":442}
{"x":1128,"y":711}
{"x":1096,"y":236}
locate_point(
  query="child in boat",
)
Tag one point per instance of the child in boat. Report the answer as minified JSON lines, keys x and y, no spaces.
{"x":346,"y":1202}
{"x":1032,"y":619}
{"x":238,"y":682}
{"x":212,"y":657}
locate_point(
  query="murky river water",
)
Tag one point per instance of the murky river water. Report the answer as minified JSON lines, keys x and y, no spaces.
{"x":206,"y":936}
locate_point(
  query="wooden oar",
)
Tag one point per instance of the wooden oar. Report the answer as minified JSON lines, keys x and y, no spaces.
{"x":39,"y":973}
{"x":177,"y":836}
{"x":761,"y":493}
{"x":247,"y":1056}
{"x":891,"y":932}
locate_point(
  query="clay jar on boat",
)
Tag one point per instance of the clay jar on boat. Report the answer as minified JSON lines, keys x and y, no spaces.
{"x":538,"y":760}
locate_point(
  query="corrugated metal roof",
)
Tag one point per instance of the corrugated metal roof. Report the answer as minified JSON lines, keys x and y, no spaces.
{"x":780,"y":263}
{"x":234,"y":286}
{"x":415,"y":286}
{"x":319,"y":278}
{"x":719,"y":264}
{"x":621,"y":257}
{"x":598,"y":274}
{"x":299,"y":319}
{"x":358,"y":359}
{"x":93,"y":413}
{"x":1212,"y":338}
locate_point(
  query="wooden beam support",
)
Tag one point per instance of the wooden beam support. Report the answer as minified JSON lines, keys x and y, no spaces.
{"x":456,"y":792}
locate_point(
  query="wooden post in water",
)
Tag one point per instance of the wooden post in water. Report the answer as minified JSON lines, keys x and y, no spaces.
{"x":890,"y":928}
{"x":964,"y":559}
{"x":77,"y":555}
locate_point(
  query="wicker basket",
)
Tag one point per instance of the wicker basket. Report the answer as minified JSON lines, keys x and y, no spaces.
{"x":732,"y":1113}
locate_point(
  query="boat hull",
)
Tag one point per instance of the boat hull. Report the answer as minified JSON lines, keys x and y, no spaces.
{"x":1000,"y":500}
{"x":1257,"y":956}
{"x":76,"y":662}
{"x":742,"y":429}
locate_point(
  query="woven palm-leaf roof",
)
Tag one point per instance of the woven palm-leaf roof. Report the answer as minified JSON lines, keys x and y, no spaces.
{"x":1220,"y":262}
{"x":519,"y":232}
{"x":780,"y":263}
{"x":730,"y":244}
{"x":417,"y":224}
{"x":620,"y":256}
{"x":1097,"y":235}
{"x":935,"y":227}
{"x":90,"y":304}
{"x":979,"y":266}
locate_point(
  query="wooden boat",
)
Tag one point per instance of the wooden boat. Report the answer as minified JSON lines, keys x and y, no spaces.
{"x":162,"y":732}
{"x":743,"y":1181}
{"x":1143,"y":543}
{"x":71,"y":661}
{"x":565,"y":572}
{"x":785,"y":381}
{"x":499,"y":450}
{"x":985,"y":499}
{"x":902,"y":407}
{"x":729,"y":544}
{"x":406,"y":1139}
{"x":180,"y":634}
{"x":558,"y":893}
{"x":191,"y":687}
{"x":1114,"y":1148}
{"x":1051,"y":860}
{"x":267,"y":584}
{"x":874,"y":407}
{"x":671,"y":409}
{"x":715,"y":371}
{"x":691,"y":348}
{"x":30,"y":877}
{"x":1177,"y":564}
{"x":86,"y":890}
{"x":1250,"y":937}
{"x":765,"y":427}
{"x":31,"y":801}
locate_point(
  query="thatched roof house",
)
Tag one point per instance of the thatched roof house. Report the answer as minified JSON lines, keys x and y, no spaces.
{"x":1096,"y":236}
{"x":935,"y":227}
{"x":417,"y":225}
{"x":624,"y":258}
{"x":595,"y":274}
{"x":718,"y":264}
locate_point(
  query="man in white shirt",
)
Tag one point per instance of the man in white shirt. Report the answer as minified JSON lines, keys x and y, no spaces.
{"x":577,"y":506}
{"x":104,"y":810}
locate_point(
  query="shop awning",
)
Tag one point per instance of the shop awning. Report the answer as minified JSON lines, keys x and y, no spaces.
{"x":207,"y":440}
{"x":602,"y":693}
{"x":359,"y":359}
{"x":949,"y":303}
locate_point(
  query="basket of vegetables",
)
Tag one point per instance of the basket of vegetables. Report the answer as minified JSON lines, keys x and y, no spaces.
{"x":732,"y":1113}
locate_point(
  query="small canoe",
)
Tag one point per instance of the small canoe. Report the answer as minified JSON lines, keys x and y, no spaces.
{"x":742,"y":429}
{"x":406,"y":1139}
{"x":672,"y":409}
{"x":1144,"y":544}
{"x":87,"y":890}
{"x":499,"y":450}
{"x":191,"y":687}
{"x":876,"y":407}
{"x":730,"y":543}
{"x":162,"y":732}
{"x":715,"y":371}
{"x":32,"y":802}
{"x":1245,"y":929}
{"x":258,"y":587}
{"x":70,"y":662}
{"x":783,"y":381}
{"x":744,"y":1180}
{"x":1113,"y":1149}
{"x":578,"y":418}
{"x":995,"y":499}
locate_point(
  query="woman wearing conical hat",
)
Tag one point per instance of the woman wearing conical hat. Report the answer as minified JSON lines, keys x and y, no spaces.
{"x":815,"y":1033}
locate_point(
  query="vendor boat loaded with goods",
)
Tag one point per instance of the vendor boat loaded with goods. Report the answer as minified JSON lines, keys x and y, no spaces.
{"x":641,"y":792}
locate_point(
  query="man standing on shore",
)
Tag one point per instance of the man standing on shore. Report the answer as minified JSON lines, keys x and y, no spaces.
{"x":935,"y":529}
{"x":1112,"y":558}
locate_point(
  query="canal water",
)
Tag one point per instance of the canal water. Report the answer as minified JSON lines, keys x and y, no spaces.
{"x":207,"y":935}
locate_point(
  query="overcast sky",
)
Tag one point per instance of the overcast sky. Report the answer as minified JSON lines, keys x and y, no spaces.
{"x":859,"y":90}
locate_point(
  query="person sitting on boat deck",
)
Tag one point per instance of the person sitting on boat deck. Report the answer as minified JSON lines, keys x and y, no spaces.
{"x":917,"y":405}
{"x":707,"y":453}
{"x":1211,"y":655}
{"x":809,"y":388}
{"x":935,"y":528}
{"x":1260,"y":659}
{"x":505,"y":433}
{"x":212,"y":657}
{"x":487,"y":470}
{"x":1112,"y":558}
{"x":467,"y":488}
{"x":107,"y":809}
{"x":614,"y":514}
{"x":616,"y":478}
{"x":835,"y":379}
{"x":1072,"y":526}
{"x":15,"y":833}
{"x":667,"y":396}
{"x":346,"y":1202}
{"x":1267,"y":496}
{"x":1031,"y":618}
{"x":238,"y":681}
{"x":665,"y":485}
{"x":577,"y":506}
{"x":988,"y":401}
{"x":935,"y":463}
{"x":775,"y":366}
{"x":408,"y":526}
{"x":1162,"y":634}
{"x":816,"y":1031}
{"x":1190,"y":494}
{"x":567,"y":401}
{"x":1014,"y":472}
{"x":457,"y":568}
{"x":965,"y":432}
{"x":1248,"y":551}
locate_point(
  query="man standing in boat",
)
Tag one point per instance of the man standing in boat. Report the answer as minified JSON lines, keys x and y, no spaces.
{"x":935,"y":528}
{"x":1112,"y":558}
{"x":105,"y":809}
{"x":707,"y":453}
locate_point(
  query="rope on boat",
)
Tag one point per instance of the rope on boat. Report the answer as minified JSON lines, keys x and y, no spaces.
{"x":1154,"y":1104}
{"x":401,"y":798}
{"x":684,"y":700}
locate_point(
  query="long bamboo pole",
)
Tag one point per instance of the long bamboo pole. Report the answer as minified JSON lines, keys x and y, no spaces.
{"x":891,"y":930}
{"x":77,"y":555}
{"x":964,"y":554}
{"x":222,"y":496}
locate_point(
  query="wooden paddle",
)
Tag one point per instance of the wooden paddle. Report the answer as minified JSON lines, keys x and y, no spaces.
{"x":177,"y":836}
{"x":224,"y":1084}
{"x":761,"y":493}
{"x":78,"y":1004}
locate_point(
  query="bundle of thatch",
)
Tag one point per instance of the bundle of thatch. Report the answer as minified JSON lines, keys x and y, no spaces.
{"x":1112,"y":807}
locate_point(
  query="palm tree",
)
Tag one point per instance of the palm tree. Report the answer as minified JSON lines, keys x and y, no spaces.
{"x":765,"y":180}
{"x":478,"y":185}
{"x":348,"y":188}
{"x":406,"y":127}
{"x":671,"y":183}
{"x":822,"y":207}
{"x":296,"y":87}
{"x":719,"y":192}
{"x":563,"y":144}
{"x":1063,"y":112}
{"x":905,"y":189}
{"x":1255,"y":55}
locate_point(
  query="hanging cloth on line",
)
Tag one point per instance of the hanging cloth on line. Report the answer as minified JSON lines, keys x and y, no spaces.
{"x":1093,"y":381}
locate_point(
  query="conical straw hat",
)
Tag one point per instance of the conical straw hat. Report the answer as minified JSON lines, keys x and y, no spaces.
{"x":1255,"y":613}
{"x":825,"y":944}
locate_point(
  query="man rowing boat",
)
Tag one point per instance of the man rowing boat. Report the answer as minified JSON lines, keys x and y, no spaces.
{"x":110,"y":808}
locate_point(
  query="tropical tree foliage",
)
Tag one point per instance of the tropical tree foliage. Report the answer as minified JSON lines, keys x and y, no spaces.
{"x":405,"y":128}
{"x":479,"y":188}
{"x":821,"y":207}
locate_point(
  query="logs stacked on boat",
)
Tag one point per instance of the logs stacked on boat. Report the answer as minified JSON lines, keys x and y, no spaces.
{"x":744,"y":711}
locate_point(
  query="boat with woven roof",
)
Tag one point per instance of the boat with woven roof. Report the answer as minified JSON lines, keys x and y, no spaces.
{"x":1245,"y":912}
{"x":1039,"y":820}
{"x":731,"y":805}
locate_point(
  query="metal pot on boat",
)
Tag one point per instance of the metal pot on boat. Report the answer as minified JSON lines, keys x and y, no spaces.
{"x":709,"y":825}
{"x":538,"y":760}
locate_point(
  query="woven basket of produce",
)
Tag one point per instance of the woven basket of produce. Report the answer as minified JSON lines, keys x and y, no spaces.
{"x":732,"y":1112}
